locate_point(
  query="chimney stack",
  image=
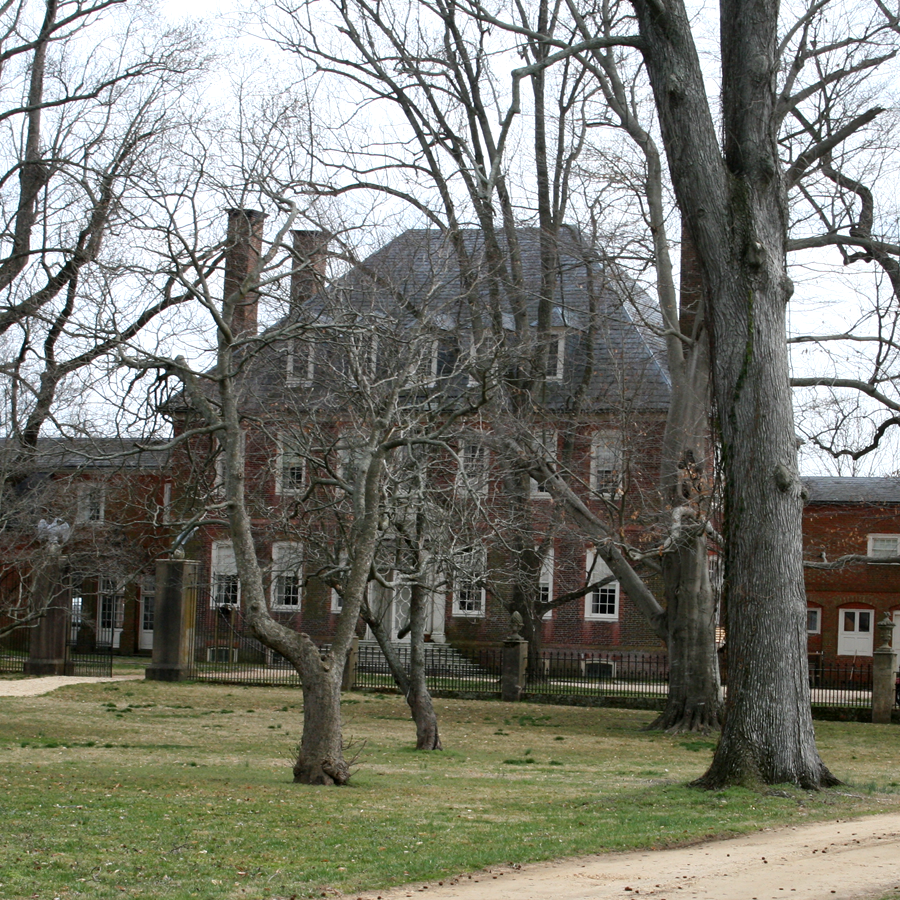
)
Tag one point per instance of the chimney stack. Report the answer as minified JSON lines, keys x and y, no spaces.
{"x":309,"y":265}
{"x":242,"y":254}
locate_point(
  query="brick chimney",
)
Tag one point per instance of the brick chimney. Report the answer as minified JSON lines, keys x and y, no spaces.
{"x":242,"y":253}
{"x":309,"y":265}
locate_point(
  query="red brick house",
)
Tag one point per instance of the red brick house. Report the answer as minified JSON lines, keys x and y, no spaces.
{"x":611,"y":448}
{"x":112,"y":495}
{"x":854,"y":525}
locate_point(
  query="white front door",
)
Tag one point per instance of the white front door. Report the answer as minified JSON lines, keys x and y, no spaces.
{"x":400,"y":613}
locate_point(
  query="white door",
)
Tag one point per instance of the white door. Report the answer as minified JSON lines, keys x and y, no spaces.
{"x":855,"y":632}
{"x":400,"y":614}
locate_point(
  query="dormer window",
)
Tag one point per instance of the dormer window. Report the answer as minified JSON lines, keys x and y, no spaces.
{"x":556,"y":355}
{"x":439,"y":359}
{"x":301,"y":362}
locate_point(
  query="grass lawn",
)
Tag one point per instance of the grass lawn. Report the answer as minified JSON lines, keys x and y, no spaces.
{"x":175,"y":791}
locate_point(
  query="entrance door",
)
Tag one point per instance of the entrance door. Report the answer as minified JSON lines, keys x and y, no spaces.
{"x":400,"y":614}
{"x":145,"y":634}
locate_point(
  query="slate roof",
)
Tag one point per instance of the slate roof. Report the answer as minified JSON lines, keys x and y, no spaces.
{"x":419,"y":268}
{"x":853,"y":490}
{"x":102,"y":453}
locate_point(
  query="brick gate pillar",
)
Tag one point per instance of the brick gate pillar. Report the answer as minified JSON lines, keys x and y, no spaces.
{"x":884,"y":673}
{"x":47,"y":649}
{"x":174,"y":615}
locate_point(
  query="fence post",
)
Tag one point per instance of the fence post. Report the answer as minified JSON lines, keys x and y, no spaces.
{"x":884,"y":667}
{"x":348,"y":681}
{"x":47,"y":650}
{"x":512,"y":672}
{"x":174,"y":620}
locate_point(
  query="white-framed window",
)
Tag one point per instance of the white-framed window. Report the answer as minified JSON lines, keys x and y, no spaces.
{"x":469,"y":591}
{"x":91,"y":504}
{"x":337,"y":602}
{"x":148,"y":602}
{"x":225,"y":587}
{"x":287,"y":575}
{"x":167,"y":503}
{"x":548,"y":439}
{"x":110,"y":611}
{"x":813,"y":620}
{"x":855,"y":632}
{"x":473,"y":471}
{"x":545,"y":586}
{"x":301,"y":362}
{"x":290,"y":469}
{"x":602,"y":603}
{"x":556,"y":355}
{"x":884,"y":546}
{"x":606,"y":462}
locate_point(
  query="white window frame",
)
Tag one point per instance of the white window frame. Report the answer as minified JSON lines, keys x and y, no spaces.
{"x":469,"y":590}
{"x":545,"y":584}
{"x":817,"y":626}
{"x":596,"y":570}
{"x":473,"y":473}
{"x":284,"y":457}
{"x":148,"y":602}
{"x":858,"y":640}
{"x":877,"y":543}
{"x":556,"y":336}
{"x":287,"y":562}
{"x":549,"y":439}
{"x":305,"y":371}
{"x":91,"y":504}
{"x":223,"y":565}
{"x":606,"y":449}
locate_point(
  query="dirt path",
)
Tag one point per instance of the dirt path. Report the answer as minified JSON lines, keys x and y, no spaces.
{"x":857,"y":859}
{"x":34,"y":687}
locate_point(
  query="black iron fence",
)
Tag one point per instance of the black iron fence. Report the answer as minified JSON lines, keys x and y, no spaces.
{"x":843,"y":685}
{"x":621,"y":675}
{"x":95,"y":662}
{"x":225,"y":651}
{"x":14,"y":649}
{"x":85,"y":657}
{"x":446,"y":669}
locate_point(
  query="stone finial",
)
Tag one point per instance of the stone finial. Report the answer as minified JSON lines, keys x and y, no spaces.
{"x":517,"y":623}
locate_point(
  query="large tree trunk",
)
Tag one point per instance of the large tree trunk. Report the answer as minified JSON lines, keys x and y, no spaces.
{"x":320,"y":756}
{"x":736,"y":213}
{"x":694,"y":700}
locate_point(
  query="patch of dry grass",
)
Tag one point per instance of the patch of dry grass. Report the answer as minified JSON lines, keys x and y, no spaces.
{"x":176,"y":791}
